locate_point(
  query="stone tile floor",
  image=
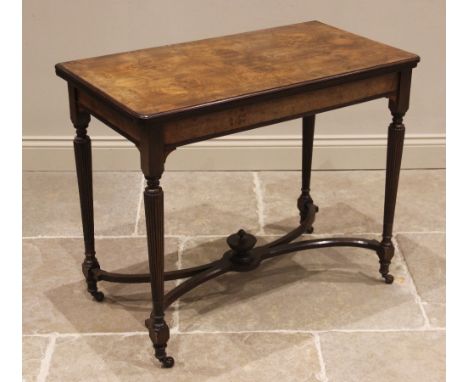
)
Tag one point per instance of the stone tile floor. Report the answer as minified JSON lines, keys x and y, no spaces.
{"x":321,"y":315}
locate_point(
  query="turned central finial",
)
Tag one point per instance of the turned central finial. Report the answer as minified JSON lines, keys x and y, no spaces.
{"x":241,"y":243}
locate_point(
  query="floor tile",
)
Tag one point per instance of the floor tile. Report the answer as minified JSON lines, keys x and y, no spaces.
{"x":252,"y":357}
{"x":207,"y":203}
{"x":425,"y":256}
{"x":54,"y":292}
{"x":435,"y":313}
{"x":352,"y":201}
{"x":34,"y":349}
{"x":319,"y":289}
{"x":51,"y":204}
{"x":382,"y":357}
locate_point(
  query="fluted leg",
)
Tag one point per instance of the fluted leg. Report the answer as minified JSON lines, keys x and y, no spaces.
{"x":305,"y":200}
{"x":82,"y":147}
{"x":396,"y":135}
{"x":154,"y":212}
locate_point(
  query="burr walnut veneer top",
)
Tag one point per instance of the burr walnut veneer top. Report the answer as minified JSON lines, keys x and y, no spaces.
{"x":169,"y":79}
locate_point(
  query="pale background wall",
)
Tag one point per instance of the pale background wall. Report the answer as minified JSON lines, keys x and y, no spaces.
{"x":61,"y":30}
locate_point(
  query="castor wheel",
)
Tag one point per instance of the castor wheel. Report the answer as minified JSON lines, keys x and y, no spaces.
{"x":388,"y":279}
{"x":310,"y":230}
{"x":98,"y":296}
{"x":166,"y":362}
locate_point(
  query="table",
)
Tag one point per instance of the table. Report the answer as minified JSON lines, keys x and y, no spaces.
{"x":166,"y":97}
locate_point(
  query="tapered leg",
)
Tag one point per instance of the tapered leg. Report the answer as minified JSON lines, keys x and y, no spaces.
{"x":396,"y":135}
{"x":82,"y":147}
{"x":305,"y":200}
{"x":398,"y":105}
{"x":154,"y":213}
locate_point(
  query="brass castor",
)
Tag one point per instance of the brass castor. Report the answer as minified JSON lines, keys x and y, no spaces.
{"x":98,"y":296}
{"x":388,"y":279}
{"x":166,"y":362}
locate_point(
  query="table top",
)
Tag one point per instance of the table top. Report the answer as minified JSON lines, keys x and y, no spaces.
{"x":171,"y":79}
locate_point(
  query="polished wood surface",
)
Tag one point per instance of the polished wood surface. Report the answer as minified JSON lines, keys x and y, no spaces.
{"x":167,"y":80}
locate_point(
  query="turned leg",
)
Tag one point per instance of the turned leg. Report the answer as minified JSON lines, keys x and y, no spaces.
{"x":396,"y":135}
{"x":82,"y":147}
{"x":154,"y":213}
{"x":305,"y":200}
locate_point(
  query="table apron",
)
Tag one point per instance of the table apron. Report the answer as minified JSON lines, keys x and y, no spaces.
{"x":118,"y":121}
{"x":280,"y":108}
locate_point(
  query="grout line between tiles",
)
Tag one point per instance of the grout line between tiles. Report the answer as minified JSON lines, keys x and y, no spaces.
{"x":45,"y":363}
{"x":98,"y":237}
{"x":139,"y":206}
{"x":418,"y":232}
{"x":260,"y":203}
{"x":87,"y":334}
{"x":323,"y":370}
{"x":412,"y":285}
{"x":272,"y":331}
{"x":291,"y":331}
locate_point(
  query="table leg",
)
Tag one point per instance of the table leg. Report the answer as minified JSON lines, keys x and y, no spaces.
{"x":82,"y":147}
{"x":398,"y":105}
{"x":308,"y":127}
{"x":396,"y":134}
{"x":154,"y":214}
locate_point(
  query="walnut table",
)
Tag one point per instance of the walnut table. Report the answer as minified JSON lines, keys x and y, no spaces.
{"x":165,"y":97}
